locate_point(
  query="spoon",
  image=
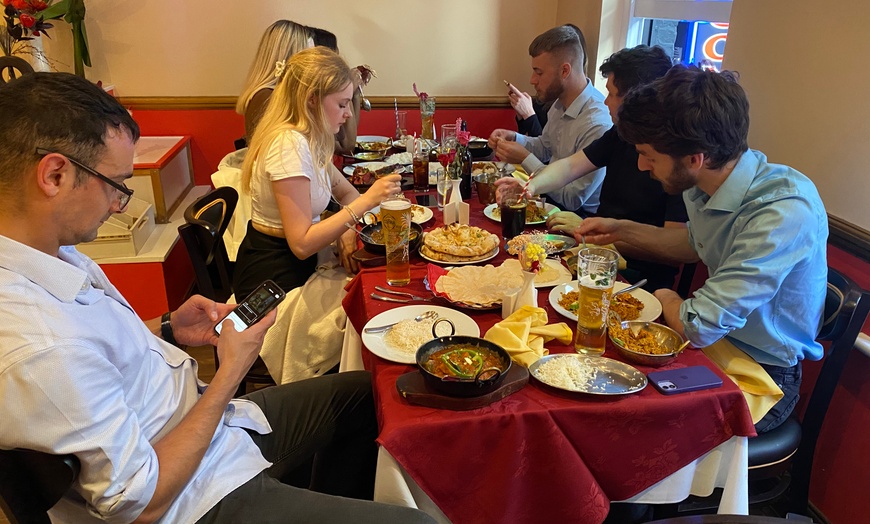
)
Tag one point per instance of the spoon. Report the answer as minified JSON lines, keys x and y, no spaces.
{"x":364,"y":102}
{"x":361,"y":234}
{"x":630,"y":288}
{"x":418,"y":318}
{"x":681,"y":348}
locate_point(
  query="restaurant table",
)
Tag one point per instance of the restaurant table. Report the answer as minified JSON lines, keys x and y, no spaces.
{"x":541,"y":454}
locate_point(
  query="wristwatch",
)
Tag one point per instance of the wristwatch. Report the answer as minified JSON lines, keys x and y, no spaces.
{"x":166,"y":329}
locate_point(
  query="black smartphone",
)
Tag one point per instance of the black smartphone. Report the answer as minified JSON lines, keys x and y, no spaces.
{"x":692,"y":378}
{"x":427,"y":200}
{"x":255,"y":306}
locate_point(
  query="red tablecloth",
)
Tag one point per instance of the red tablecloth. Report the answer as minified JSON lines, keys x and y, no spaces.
{"x":541,"y":455}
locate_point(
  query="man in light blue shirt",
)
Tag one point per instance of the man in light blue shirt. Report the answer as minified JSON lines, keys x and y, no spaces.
{"x":760,"y":228}
{"x":578,"y":117}
{"x":81,"y":374}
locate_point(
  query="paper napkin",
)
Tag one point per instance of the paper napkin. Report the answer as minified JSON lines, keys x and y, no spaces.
{"x":524,"y":333}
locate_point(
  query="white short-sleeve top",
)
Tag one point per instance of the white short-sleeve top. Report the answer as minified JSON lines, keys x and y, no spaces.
{"x":289,"y":155}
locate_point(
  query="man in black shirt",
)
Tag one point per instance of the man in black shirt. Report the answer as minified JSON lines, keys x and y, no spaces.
{"x":626,"y":191}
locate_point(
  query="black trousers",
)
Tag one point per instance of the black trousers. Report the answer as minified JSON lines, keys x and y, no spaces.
{"x":329,"y":419}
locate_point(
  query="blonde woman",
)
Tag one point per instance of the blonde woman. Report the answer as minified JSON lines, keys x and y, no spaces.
{"x":289,"y":173}
{"x":281,"y":40}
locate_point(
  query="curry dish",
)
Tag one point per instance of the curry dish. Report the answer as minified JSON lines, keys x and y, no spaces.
{"x":644,"y":342}
{"x":463,"y":361}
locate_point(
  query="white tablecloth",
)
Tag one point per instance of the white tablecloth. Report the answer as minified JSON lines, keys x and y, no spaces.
{"x":726,"y":466}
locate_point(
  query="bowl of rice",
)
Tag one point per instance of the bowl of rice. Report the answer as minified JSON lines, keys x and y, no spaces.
{"x":646,"y":343}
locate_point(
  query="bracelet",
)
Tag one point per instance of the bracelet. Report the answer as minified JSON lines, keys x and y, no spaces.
{"x":166,"y":329}
{"x":353,"y":215}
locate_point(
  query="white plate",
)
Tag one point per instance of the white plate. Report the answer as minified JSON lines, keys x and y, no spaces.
{"x":463,"y":263}
{"x":420,"y":217}
{"x":400,"y":144}
{"x":371,"y":166}
{"x":489,"y":211}
{"x":404,"y":158}
{"x":465,"y":325}
{"x":652,"y":308}
{"x":564,"y":274}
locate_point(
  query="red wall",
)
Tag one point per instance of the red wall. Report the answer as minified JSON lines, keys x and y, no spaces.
{"x":841,"y":471}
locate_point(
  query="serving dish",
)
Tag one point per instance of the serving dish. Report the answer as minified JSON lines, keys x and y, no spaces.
{"x":606,"y":377}
{"x":381,"y":249}
{"x":664,"y":336}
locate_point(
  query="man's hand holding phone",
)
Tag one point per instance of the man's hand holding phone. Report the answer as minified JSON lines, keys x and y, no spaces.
{"x":237,"y":350}
{"x":520,"y":101}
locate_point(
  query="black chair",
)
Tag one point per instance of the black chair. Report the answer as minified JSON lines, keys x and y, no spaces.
{"x":32,"y":482}
{"x":12,"y":67}
{"x":206,"y":219}
{"x":781,"y":460}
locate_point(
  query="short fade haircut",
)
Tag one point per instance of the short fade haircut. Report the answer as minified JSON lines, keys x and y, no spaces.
{"x":563,"y":42}
{"x":635,"y":66}
{"x":582,"y":44}
{"x":688,"y":111}
{"x":57,"y":111}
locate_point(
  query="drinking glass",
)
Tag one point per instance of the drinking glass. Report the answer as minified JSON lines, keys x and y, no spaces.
{"x":401,"y":130}
{"x":427,"y":115}
{"x":513,"y":213}
{"x":596,"y":271}
{"x":448,"y":137}
{"x":442,"y":187}
{"x":421,"y":166}
{"x":396,"y":227}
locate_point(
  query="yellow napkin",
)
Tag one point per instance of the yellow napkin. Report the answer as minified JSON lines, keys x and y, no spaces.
{"x":760,"y":391}
{"x":520,"y":173}
{"x":524,"y":333}
{"x":620,"y":264}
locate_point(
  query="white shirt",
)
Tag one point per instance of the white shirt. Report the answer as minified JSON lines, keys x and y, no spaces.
{"x":289,"y":155}
{"x":80,"y":373}
{"x":569,"y":130}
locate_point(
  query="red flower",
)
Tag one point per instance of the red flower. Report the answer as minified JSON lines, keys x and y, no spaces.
{"x":20,"y":4}
{"x":27,"y":20}
{"x":446,"y":158}
{"x":7,"y":2}
{"x":38,"y":5}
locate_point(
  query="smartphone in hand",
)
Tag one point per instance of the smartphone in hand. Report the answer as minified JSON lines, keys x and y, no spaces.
{"x":255,"y":306}
{"x":692,"y":378}
{"x":511,"y":87}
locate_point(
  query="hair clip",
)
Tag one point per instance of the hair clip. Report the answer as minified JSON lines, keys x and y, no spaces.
{"x":280,"y":65}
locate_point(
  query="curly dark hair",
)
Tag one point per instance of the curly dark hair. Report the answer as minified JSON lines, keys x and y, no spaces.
{"x":635,"y":66}
{"x":688,"y":111}
{"x":57,"y":111}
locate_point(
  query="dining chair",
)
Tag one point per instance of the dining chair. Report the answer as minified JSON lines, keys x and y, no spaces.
{"x":781,"y":460}
{"x":12,"y":67}
{"x":206,"y":219}
{"x":32,"y":482}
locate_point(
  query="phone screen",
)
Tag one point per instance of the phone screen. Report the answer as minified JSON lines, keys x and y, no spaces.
{"x":254,"y":307}
{"x":427,"y":200}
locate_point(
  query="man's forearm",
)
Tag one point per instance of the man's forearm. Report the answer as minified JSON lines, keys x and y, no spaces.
{"x":661,"y":243}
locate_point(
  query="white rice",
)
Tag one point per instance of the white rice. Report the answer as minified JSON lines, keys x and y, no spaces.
{"x":567,"y":372}
{"x":408,"y":335}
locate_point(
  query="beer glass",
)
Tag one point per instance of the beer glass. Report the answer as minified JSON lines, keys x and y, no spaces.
{"x":596,"y":272}
{"x":396,"y":227}
{"x":427,"y":116}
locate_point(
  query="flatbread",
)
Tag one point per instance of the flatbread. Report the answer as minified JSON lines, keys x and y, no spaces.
{"x":444,"y":257}
{"x":460,"y":240}
{"x":482,"y":285}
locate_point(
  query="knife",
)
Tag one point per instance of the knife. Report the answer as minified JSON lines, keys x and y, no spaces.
{"x":388,"y":299}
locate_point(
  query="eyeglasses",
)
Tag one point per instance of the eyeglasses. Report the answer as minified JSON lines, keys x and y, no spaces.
{"x":126,"y":192}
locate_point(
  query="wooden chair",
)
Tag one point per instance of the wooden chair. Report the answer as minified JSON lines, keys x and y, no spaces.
{"x":206,"y":219}
{"x":781,"y":460}
{"x":32,"y":482}
{"x":12,"y":67}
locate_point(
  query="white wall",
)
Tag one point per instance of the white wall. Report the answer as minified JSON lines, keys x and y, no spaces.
{"x":204,"y":48}
{"x":803,"y":64}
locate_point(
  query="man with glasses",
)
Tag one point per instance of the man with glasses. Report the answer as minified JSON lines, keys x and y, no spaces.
{"x":81,"y":374}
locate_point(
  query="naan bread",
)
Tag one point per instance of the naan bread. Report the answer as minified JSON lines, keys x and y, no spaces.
{"x":444,"y":257}
{"x":484,"y":285}
{"x":461,"y":240}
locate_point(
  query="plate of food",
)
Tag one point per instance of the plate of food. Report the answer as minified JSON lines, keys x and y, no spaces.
{"x":400,"y":143}
{"x":373,"y":143}
{"x":364,"y":174}
{"x":404,"y":158}
{"x":491,"y":167}
{"x":587,"y":374}
{"x":551,"y":243}
{"x":535,"y":215}
{"x":419,"y":214}
{"x":474,"y":287}
{"x":637,"y":304}
{"x":400,"y":343}
{"x":457,"y":244}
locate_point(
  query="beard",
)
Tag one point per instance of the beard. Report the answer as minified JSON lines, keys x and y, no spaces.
{"x":678,"y":180}
{"x":550,"y":93}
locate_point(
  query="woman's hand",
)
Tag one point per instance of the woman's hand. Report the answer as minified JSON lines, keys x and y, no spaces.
{"x":347,"y":246}
{"x":383,"y":188}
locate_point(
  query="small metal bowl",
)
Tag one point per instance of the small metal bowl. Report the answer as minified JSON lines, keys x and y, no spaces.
{"x":370,"y":155}
{"x":664,"y":336}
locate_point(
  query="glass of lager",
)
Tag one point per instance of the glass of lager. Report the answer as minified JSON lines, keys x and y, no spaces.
{"x":396,"y":227}
{"x":596,"y":271}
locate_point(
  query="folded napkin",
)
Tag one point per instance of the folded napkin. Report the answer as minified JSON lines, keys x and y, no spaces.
{"x":569,"y":253}
{"x":760,"y":391}
{"x":520,"y":173}
{"x":524,"y":333}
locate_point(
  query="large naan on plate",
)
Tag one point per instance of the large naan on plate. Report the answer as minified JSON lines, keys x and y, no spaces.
{"x":461,"y":240}
{"x":479,"y":285}
{"x":444,"y":257}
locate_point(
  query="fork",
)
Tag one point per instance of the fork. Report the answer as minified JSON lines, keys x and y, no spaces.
{"x":403,"y":294}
